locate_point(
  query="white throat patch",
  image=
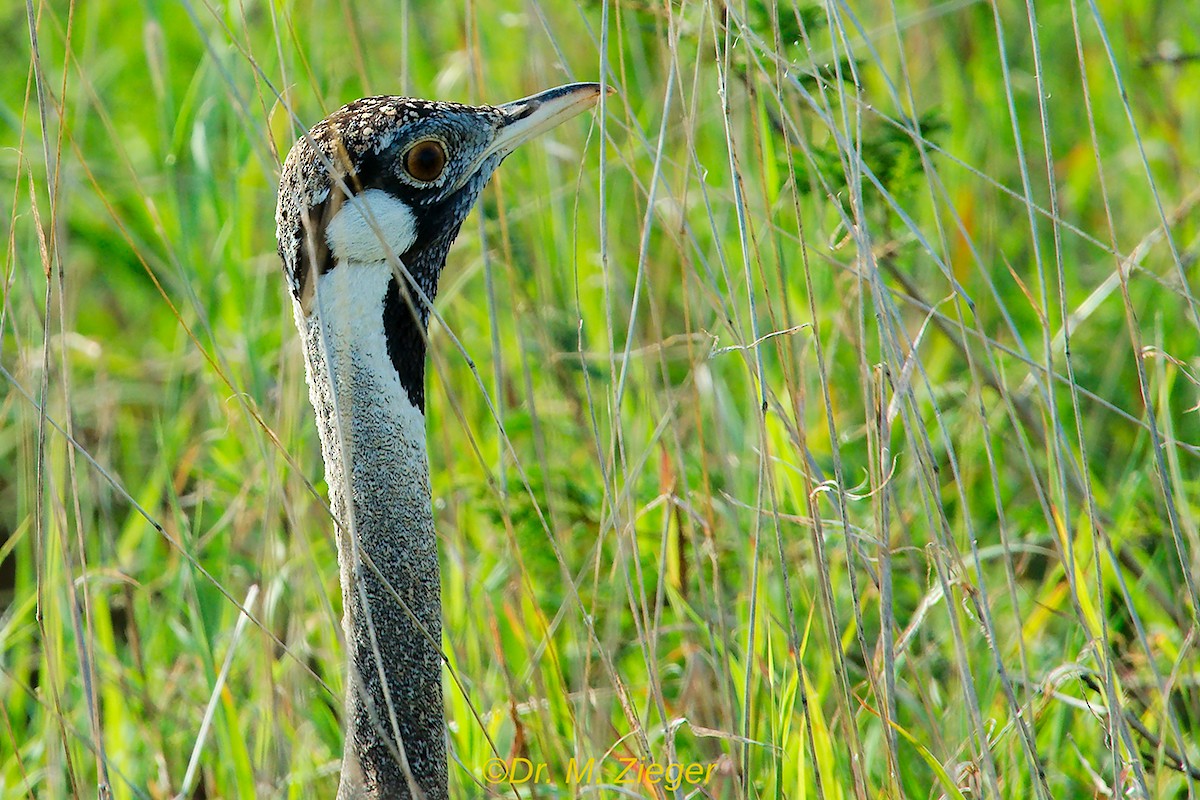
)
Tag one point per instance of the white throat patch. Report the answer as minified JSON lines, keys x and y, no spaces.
{"x":352,"y":238}
{"x":350,"y":302}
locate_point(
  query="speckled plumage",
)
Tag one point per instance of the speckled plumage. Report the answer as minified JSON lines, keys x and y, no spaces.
{"x":363,"y":243}
{"x":373,"y":443}
{"x":357,"y":138}
{"x":366,"y":384}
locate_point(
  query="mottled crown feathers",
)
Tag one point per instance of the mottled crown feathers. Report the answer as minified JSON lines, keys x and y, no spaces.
{"x":360,"y":142}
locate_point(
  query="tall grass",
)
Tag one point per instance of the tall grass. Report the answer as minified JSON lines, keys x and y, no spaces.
{"x":825,"y":413}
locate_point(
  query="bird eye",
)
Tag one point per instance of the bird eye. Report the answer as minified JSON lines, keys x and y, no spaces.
{"x":425,"y":160}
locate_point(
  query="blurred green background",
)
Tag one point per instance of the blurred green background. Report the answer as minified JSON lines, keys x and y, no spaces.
{"x":844,"y":371}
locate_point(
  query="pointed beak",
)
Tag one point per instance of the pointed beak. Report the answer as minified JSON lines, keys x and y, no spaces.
{"x":525,"y":119}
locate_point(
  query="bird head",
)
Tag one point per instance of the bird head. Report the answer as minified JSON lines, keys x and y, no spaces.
{"x":387,"y":177}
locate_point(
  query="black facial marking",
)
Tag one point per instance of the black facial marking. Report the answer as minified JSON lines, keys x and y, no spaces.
{"x":405,"y":331}
{"x":437,"y":225}
{"x":353,"y":141}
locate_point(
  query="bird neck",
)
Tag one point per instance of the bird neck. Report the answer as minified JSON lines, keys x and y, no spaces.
{"x":365,"y":356}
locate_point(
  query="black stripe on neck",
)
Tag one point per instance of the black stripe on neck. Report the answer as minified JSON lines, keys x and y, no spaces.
{"x":405,"y":333}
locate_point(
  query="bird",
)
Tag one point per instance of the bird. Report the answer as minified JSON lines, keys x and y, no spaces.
{"x":370,"y":200}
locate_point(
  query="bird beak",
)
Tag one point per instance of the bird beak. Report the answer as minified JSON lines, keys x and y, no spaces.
{"x":526,"y":118}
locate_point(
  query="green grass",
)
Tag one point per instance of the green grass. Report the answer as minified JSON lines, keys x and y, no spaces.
{"x":790,"y":472}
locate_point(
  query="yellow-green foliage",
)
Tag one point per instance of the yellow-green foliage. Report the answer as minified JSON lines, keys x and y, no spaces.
{"x":791,"y":476}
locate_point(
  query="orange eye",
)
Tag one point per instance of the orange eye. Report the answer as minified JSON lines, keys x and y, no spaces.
{"x":425,"y":160}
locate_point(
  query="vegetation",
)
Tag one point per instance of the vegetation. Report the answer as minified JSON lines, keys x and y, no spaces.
{"x":822,"y":413}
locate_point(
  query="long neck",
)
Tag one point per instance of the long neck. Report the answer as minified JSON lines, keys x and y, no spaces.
{"x":372,"y":429}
